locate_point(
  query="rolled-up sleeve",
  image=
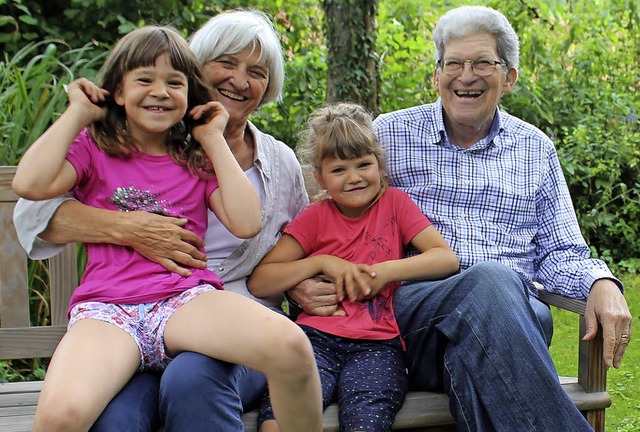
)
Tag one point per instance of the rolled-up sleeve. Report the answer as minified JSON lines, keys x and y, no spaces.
{"x":30,"y":219}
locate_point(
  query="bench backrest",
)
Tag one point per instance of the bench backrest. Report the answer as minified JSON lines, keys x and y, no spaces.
{"x":18,"y":338}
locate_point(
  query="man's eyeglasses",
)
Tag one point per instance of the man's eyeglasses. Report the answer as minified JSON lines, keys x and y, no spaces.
{"x":479,"y":67}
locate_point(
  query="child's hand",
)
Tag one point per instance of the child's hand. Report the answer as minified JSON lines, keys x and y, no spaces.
{"x":375,"y":281}
{"x":209,"y":119}
{"x":89,"y":98}
{"x":351,"y":280}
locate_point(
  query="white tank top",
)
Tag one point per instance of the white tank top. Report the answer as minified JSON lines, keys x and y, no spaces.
{"x":219,"y":242}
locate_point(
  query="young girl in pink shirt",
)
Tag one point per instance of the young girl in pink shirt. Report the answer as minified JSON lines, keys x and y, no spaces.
{"x":149,"y":138}
{"x":356,"y":238}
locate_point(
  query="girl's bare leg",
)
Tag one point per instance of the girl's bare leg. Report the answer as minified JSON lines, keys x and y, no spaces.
{"x":93,"y":361}
{"x":233,"y":328}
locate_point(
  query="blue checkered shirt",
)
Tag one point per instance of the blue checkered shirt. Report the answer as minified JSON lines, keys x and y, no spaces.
{"x":504,"y":199}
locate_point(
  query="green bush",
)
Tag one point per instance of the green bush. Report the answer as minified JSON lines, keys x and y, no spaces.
{"x":32,"y":91}
{"x":579,"y":81}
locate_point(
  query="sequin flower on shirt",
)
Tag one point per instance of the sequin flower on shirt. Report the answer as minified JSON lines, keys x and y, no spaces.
{"x":132,"y":199}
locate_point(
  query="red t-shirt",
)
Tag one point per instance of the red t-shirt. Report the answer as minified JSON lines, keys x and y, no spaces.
{"x":381,"y":234}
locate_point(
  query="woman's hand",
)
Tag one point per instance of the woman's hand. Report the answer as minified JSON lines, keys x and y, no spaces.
{"x":163,"y":240}
{"x":316,"y":296}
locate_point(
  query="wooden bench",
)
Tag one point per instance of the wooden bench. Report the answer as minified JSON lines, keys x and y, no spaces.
{"x":18,"y":339}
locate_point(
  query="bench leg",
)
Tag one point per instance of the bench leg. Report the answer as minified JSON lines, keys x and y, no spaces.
{"x":596,"y":419}
{"x":592,"y":375}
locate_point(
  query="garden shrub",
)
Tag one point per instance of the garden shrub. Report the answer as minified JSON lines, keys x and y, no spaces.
{"x":579,"y":81}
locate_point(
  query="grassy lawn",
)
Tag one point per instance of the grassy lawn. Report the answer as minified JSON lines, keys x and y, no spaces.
{"x":623,"y":384}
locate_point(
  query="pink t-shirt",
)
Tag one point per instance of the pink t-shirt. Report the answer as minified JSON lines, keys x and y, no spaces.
{"x":381,"y":234}
{"x":155,"y":184}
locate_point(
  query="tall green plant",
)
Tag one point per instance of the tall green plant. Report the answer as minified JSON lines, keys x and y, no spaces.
{"x":32,"y":91}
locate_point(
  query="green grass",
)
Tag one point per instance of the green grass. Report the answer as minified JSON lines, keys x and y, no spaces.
{"x":623,"y":384}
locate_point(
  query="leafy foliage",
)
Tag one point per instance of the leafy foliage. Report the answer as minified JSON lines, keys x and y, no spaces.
{"x":32,"y":90}
{"x":578,"y":80}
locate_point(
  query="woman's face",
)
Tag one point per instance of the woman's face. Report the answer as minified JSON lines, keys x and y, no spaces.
{"x":239,"y":82}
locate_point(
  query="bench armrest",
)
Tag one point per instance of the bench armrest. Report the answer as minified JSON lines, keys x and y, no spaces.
{"x":574,"y":305}
{"x":592,"y":375}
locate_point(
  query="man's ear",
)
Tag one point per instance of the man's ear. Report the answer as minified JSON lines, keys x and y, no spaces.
{"x":436,"y":80}
{"x":510,"y":80}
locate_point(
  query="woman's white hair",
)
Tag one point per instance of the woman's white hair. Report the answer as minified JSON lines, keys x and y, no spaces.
{"x":463,"y":21}
{"x":233,"y":31}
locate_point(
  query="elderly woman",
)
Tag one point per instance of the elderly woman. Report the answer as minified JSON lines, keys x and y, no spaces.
{"x":242,"y":58}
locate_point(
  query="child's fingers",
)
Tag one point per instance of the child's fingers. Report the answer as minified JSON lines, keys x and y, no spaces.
{"x":94,"y":93}
{"x":362,"y":287}
{"x":339,"y":290}
{"x":350,"y":288}
{"x":209,"y":110}
{"x":367,"y":269}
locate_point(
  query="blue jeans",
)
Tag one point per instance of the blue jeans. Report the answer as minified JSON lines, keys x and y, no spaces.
{"x":476,"y":337}
{"x":135,"y":408}
{"x":195,"y":393}
{"x":205,"y":394}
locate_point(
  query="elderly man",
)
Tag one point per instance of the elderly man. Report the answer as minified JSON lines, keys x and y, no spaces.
{"x":493,"y":186}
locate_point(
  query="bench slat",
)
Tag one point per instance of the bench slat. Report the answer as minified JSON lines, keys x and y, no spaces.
{"x":16,"y":424}
{"x":31,"y":342}
{"x":6,"y":178}
{"x":419,"y":410}
{"x":14,"y":291}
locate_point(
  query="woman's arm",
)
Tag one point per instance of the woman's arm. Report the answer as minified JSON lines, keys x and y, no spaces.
{"x":159,"y":238}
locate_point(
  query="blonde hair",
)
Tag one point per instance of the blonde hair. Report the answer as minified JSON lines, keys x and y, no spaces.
{"x":139,"y":48}
{"x":344,"y":131}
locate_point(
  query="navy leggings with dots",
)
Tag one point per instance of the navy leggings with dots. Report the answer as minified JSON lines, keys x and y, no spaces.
{"x":367,"y":378}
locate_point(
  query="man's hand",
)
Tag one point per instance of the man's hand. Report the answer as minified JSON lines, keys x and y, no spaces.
{"x":316,"y":296}
{"x":163,"y":240}
{"x":606,"y":305}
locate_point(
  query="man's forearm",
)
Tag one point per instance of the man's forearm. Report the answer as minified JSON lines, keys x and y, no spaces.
{"x":77,"y":222}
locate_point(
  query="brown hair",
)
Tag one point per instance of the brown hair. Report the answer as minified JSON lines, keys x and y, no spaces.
{"x":345,"y":131}
{"x":140,"y":48}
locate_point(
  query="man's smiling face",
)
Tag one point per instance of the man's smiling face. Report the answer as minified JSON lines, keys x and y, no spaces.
{"x":469,"y":100}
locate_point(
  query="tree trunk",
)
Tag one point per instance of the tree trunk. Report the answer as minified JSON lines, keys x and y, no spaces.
{"x":354,"y":75}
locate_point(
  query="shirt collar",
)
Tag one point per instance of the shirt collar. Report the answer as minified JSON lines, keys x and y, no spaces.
{"x":259,"y":154}
{"x":490,"y":139}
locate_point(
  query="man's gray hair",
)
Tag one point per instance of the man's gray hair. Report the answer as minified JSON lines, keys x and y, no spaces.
{"x":463,"y":21}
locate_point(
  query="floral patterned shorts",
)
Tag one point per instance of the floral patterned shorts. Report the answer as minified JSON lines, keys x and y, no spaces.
{"x":145,"y":322}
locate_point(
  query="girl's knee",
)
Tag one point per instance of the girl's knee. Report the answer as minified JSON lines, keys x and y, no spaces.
{"x":59,"y":416}
{"x":293,"y":351}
